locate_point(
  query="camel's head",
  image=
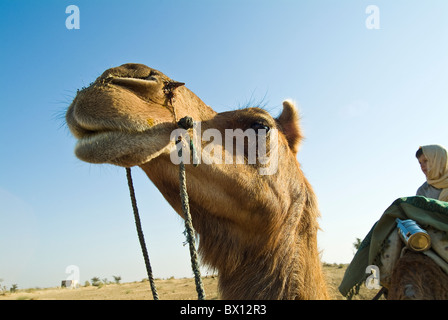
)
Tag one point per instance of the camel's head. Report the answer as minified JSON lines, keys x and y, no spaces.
{"x":118,"y":117}
{"x":127,"y":115}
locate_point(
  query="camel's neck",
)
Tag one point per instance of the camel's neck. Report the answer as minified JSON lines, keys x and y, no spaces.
{"x":283,"y":273}
{"x":283,"y":264}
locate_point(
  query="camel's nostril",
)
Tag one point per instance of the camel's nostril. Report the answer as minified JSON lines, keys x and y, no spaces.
{"x":171,"y":85}
{"x":169,"y":88}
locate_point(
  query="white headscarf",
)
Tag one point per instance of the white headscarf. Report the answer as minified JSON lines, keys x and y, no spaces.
{"x":437,"y":174}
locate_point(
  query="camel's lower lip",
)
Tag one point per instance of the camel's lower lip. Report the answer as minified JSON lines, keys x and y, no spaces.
{"x":102,"y":146}
{"x":120,"y":147}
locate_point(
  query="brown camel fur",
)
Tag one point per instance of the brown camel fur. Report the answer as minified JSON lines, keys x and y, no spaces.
{"x":417,"y":277}
{"x":258,"y":231}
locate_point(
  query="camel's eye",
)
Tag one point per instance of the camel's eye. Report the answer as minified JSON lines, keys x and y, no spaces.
{"x":258,"y":125}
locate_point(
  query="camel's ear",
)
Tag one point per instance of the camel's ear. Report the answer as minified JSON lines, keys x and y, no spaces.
{"x":289,"y":124}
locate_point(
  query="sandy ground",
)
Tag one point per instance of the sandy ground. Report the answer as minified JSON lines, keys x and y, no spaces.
{"x":171,"y":289}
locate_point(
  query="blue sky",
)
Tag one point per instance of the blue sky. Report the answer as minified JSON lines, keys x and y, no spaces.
{"x":368,"y":99}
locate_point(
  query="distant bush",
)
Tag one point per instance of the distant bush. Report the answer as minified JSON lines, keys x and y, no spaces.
{"x":357,"y":243}
{"x":117,"y":279}
{"x":95,"y":281}
{"x":334,"y":265}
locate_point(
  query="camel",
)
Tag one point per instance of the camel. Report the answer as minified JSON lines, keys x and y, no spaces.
{"x":417,"y":277}
{"x":258,"y":231}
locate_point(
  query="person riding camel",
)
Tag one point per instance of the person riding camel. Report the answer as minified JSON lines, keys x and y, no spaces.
{"x":434,"y":164}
